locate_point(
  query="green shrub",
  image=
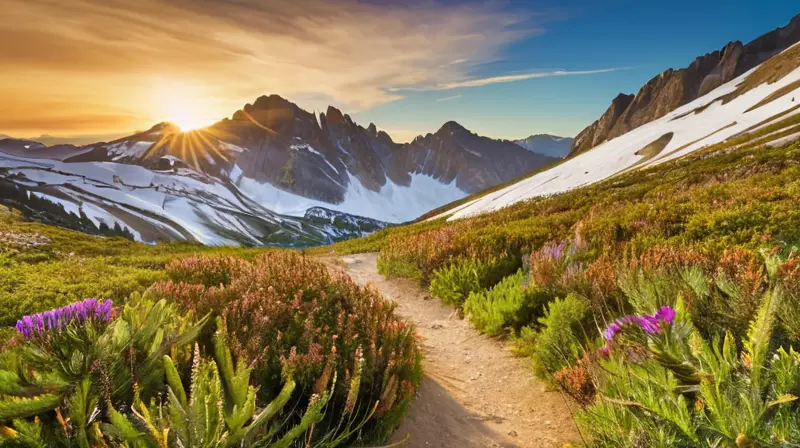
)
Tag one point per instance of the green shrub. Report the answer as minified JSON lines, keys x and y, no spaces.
{"x":30,"y":288}
{"x":398,"y":267}
{"x":454,"y":283}
{"x":558,"y":343}
{"x":507,"y":306}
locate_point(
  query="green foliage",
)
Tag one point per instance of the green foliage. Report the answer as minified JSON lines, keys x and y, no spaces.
{"x":398,"y":267}
{"x":43,"y":267}
{"x":558,"y":343}
{"x":454,"y":283}
{"x":676,"y":388}
{"x":127,"y":389}
{"x":507,"y":306}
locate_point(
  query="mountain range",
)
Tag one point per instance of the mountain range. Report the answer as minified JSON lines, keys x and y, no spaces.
{"x":272,"y":173}
{"x":674,"y":88}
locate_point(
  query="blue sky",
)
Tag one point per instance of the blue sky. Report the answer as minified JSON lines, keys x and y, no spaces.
{"x":644,"y":37}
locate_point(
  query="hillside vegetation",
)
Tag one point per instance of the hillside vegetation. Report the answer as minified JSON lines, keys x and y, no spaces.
{"x":663,"y":300}
{"x":191,"y":346}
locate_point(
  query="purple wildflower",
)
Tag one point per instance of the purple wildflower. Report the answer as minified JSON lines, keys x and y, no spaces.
{"x":57,"y":319}
{"x":612,"y":330}
{"x":650,"y":324}
{"x":554,"y":251}
{"x":666,"y":314}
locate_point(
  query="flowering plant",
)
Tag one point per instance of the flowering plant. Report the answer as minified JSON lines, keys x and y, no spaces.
{"x":57,"y":319}
{"x":651,"y":324}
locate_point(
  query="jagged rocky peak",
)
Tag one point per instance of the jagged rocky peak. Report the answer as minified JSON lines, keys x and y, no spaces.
{"x":334,"y":117}
{"x":673,"y":88}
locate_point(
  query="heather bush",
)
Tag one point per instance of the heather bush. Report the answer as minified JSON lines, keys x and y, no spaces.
{"x":207,"y":271}
{"x":286,"y":313}
{"x":505,"y":307}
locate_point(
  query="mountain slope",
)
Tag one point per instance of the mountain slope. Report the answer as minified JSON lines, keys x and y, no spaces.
{"x":674,"y":88}
{"x":547,"y":145}
{"x":758,"y":107}
{"x":261,"y":177}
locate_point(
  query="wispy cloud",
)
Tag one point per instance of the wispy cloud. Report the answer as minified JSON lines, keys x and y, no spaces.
{"x":111,"y":56}
{"x":448,"y":98}
{"x":479,"y":82}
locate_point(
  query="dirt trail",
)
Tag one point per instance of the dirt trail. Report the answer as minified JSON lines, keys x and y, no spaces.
{"x":475,"y":392}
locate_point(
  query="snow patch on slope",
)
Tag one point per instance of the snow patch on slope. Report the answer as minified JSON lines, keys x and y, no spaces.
{"x":692,"y":131}
{"x":393,"y":203}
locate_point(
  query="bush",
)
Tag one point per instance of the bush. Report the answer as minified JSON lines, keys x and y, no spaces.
{"x":454,"y":283}
{"x":559,"y":341}
{"x":206,"y":270}
{"x":507,"y":306}
{"x":286,"y":313}
{"x":398,"y":267}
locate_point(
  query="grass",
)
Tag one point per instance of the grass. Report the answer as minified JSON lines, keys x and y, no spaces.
{"x":42,"y":266}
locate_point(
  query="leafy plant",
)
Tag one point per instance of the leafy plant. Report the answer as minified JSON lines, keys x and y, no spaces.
{"x":454,"y":283}
{"x":559,"y":341}
{"x":507,"y":306}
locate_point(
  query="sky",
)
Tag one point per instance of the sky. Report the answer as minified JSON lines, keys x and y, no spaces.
{"x":84,"y":70}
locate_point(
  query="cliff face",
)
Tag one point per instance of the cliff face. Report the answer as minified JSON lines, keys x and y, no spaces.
{"x":674,"y":88}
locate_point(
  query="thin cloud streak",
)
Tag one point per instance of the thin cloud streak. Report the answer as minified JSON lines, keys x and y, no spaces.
{"x":480,"y":82}
{"x":454,"y":97}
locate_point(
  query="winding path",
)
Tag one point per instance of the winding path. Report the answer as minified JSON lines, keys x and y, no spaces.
{"x":475,"y":392}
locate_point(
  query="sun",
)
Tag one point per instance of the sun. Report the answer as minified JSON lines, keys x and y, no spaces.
{"x":183,"y":105}
{"x":186,"y":118}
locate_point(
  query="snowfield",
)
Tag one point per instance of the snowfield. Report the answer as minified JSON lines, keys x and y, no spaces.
{"x":155,"y":205}
{"x":690,"y":131}
{"x":393,"y":203}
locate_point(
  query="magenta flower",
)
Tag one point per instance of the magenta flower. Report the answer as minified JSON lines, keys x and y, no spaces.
{"x":57,"y":319}
{"x":650,"y":324}
{"x":665,"y":314}
{"x":612,"y":330}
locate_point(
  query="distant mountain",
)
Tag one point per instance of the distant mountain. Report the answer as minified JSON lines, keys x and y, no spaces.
{"x":547,"y":145}
{"x":54,"y":140}
{"x":37,"y":150}
{"x":674,"y":88}
{"x":262,"y":176}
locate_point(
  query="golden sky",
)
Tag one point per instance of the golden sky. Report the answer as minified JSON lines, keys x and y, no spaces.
{"x":93,"y":67}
